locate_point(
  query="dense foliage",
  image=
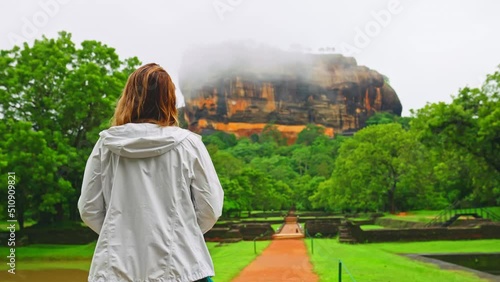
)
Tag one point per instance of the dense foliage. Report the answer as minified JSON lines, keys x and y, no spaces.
{"x":442,"y":154}
{"x":264,"y":175}
{"x":55,"y":97}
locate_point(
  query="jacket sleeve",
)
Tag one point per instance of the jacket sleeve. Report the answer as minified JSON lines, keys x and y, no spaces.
{"x":206,"y":189}
{"x":91,"y":203}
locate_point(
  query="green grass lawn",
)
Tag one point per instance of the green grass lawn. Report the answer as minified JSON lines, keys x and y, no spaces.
{"x":470,"y":246}
{"x":370,"y":227}
{"x":37,"y":257}
{"x":416,"y":216}
{"x":366,"y":262}
{"x":4,"y":224}
{"x":229,"y":259}
{"x":383,"y":262}
{"x":425,"y":216}
{"x":83,"y":264}
{"x":42,"y":252}
{"x":276,"y":226}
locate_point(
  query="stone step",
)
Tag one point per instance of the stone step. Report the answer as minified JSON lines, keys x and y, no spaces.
{"x":288,"y":236}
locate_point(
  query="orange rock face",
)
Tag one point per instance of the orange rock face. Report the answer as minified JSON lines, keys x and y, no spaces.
{"x":241,"y":97}
{"x":240,"y":129}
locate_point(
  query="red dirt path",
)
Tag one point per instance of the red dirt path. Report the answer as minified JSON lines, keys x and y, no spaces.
{"x":284,"y":260}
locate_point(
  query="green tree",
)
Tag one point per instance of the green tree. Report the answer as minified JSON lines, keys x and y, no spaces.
{"x":66,"y":93}
{"x":471,"y":122}
{"x":309,"y":134}
{"x":467,"y":131}
{"x":462,"y":176}
{"x":270,"y":133}
{"x":376,"y":170}
{"x":221,"y":139}
{"x":302,"y":159}
{"x":386,"y":117}
{"x":237,"y":197}
{"x":226,"y":164}
{"x":35,"y":165}
{"x":246,"y":150}
{"x":278,"y":167}
{"x":316,"y":159}
{"x":305,"y":187}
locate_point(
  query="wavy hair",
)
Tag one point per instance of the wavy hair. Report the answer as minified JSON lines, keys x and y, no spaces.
{"x":148,"y":96}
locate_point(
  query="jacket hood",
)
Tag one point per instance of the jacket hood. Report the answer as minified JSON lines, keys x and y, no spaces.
{"x":142,"y":140}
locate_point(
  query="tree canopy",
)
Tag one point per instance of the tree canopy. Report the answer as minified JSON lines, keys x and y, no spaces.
{"x":55,"y":97}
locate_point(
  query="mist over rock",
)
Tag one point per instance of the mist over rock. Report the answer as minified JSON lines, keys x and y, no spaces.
{"x":239,"y":88}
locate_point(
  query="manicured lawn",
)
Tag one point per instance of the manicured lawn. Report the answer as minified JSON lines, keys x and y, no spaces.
{"x":42,"y":252}
{"x":472,"y":246}
{"x":36,"y":257}
{"x":416,"y":216}
{"x":427,"y":215}
{"x":276,"y":226}
{"x":4,"y":224}
{"x":370,"y":227}
{"x":382,"y":262}
{"x":230,"y":259}
{"x":53,"y":264}
{"x":366,"y":262}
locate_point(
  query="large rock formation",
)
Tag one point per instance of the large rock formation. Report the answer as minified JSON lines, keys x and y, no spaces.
{"x":240,"y":88}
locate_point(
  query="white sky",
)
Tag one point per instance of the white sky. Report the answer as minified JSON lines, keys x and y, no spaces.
{"x":428,"y":49}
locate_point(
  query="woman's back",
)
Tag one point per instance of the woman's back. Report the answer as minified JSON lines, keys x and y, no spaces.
{"x":150,"y":192}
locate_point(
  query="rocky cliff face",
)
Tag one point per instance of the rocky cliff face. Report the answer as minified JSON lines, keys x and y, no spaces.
{"x":241,"y":89}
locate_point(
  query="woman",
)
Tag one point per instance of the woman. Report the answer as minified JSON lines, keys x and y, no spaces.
{"x":150,"y":189}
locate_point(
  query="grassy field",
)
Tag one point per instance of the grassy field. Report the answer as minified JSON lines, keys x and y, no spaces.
{"x":229,"y":259}
{"x":365,"y":262}
{"x":276,"y":226}
{"x":4,"y":224}
{"x":37,"y":257}
{"x":476,"y":246}
{"x":370,"y":227}
{"x":383,"y":262}
{"x":53,"y":252}
{"x":425,"y":216}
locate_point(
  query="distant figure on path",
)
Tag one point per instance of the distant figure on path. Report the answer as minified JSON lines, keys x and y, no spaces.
{"x":150,"y":190}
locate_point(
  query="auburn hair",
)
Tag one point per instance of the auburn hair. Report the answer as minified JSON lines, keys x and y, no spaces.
{"x":148,"y":96}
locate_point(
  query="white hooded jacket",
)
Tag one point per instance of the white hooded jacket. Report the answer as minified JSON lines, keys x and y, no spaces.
{"x":150,"y":192}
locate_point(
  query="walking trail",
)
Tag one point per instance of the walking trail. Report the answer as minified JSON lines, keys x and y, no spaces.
{"x":285,"y":259}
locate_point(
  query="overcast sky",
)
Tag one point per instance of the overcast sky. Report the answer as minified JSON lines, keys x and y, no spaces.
{"x":428,"y":49}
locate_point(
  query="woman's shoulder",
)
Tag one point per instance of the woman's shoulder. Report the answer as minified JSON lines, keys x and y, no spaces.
{"x":191,"y":137}
{"x":191,"y":134}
